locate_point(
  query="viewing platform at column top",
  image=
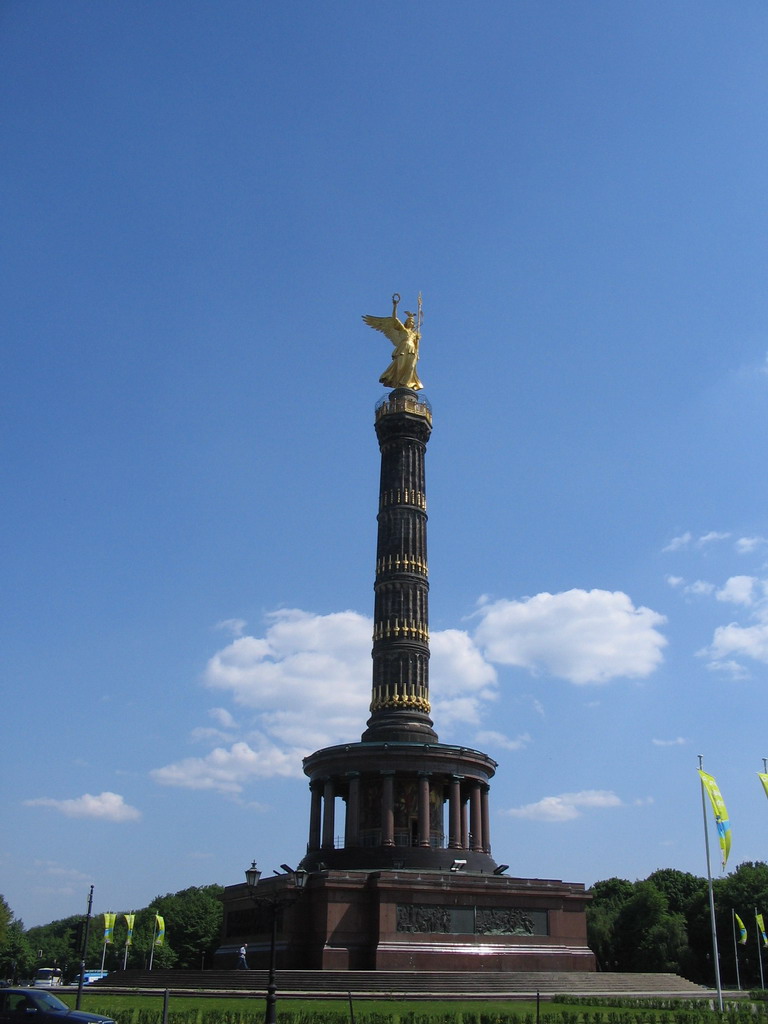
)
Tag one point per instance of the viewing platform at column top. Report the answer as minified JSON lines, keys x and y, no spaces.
{"x":403,"y":400}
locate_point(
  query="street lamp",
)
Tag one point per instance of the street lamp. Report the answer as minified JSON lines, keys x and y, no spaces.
{"x":274,"y":900}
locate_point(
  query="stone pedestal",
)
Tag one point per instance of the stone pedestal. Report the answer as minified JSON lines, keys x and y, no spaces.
{"x":410,"y":920}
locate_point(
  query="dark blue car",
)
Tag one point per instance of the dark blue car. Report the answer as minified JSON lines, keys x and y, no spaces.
{"x":36,"y":1006}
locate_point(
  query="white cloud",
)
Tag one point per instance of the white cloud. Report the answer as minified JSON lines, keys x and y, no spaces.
{"x":679,"y":542}
{"x":738,"y":590}
{"x":729,"y":667}
{"x":104,"y":807}
{"x":225,"y":732}
{"x":746,"y":545}
{"x":229,"y":770}
{"x":498,"y":739}
{"x":55,"y":870}
{"x":308,"y":682}
{"x":734,"y":640}
{"x":223,"y":717}
{"x":685,"y":540}
{"x":677,"y":742}
{"x":747,"y":637}
{"x":709,"y":538}
{"x":566,"y":806}
{"x":461,"y":680}
{"x":702,"y":588}
{"x":582,"y":636}
{"x":307,"y":669}
{"x":458,"y":667}
{"x":234,"y":626}
{"x":737,"y":640}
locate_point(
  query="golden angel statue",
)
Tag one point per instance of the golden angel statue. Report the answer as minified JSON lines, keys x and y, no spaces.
{"x":401,"y":372}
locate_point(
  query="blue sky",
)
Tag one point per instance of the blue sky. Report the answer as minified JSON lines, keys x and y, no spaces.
{"x":200,"y":200}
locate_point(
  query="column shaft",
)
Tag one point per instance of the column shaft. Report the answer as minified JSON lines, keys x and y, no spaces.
{"x":486,"y":818}
{"x":315,"y":816}
{"x":475,"y":818}
{"x":454,"y":815}
{"x":352,"y":828}
{"x":388,"y":809}
{"x":329,"y":811}
{"x":423,"y":810}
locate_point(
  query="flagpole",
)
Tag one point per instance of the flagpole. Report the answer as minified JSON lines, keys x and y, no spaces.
{"x":758,"y":937}
{"x":735,"y":949}
{"x":152,"y":950}
{"x":715,"y":953}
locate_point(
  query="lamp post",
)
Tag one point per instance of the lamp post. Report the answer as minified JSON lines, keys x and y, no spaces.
{"x":84,"y":951}
{"x":274,"y":900}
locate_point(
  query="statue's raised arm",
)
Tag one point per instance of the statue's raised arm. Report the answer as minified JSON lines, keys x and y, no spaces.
{"x":401,"y":372}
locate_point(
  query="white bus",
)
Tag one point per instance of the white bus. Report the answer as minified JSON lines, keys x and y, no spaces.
{"x":48,"y":977}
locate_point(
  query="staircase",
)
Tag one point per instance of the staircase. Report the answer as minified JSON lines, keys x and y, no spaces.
{"x":405,"y":984}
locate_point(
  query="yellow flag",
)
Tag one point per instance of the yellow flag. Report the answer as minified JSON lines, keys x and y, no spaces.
{"x":721,"y":814}
{"x":109,"y":926}
{"x":160,"y":934}
{"x":764,"y":779}
{"x":742,"y":929}
{"x":129,"y":919}
{"x":761,"y":926}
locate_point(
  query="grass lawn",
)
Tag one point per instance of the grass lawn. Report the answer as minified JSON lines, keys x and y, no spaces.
{"x":95,"y":1002}
{"x":137,"y":1008}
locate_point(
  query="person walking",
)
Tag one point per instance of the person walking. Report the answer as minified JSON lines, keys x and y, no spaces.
{"x":242,"y":963}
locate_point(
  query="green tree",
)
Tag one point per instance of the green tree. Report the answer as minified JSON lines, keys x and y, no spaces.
{"x":663,"y":946}
{"x":612,"y":893}
{"x":744,"y":891}
{"x":17,"y":959}
{"x":16,"y":956}
{"x":193,"y":919}
{"x":6,"y":919}
{"x":680,"y":887}
{"x":600,"y":936}
{"x":55,"y":944}
{"x":608,"y":897}
{"x":646,"y":933}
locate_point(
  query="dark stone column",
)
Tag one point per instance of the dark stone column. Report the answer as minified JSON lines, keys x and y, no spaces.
{"x":454,"y":814}
{"x":400,"y":686}
{"x":352,"y":827}
{"x":486,"y":818}
{"x":315,"y":816}
{"x":423,"y":809}
{"x":387,"y":808}
{"x":329,"y":813}
{"x":475,"y":818}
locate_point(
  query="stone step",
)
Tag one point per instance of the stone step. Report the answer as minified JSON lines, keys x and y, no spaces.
{"x":404,"y":983}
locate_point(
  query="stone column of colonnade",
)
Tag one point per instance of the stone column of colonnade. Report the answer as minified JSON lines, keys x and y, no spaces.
{"x":329,"y":809}
{"x":352,"y":824}
{"x":388,"y":809}
{"x":468,"y":813}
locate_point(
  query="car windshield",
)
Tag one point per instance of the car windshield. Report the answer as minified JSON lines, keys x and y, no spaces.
{"x":49,"y":1002}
